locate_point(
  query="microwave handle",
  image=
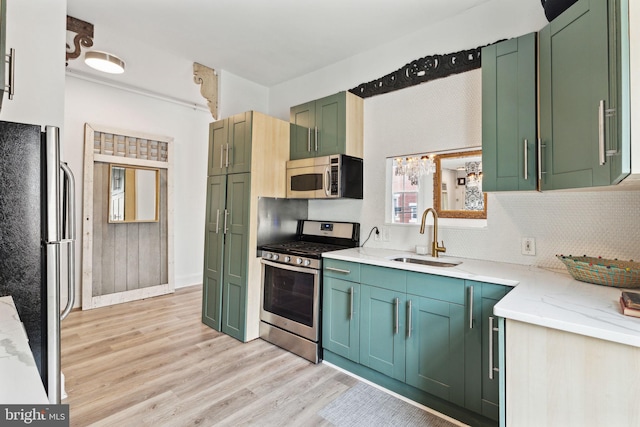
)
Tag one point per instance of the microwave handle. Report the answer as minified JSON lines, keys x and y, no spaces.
{"x":327,"y":184}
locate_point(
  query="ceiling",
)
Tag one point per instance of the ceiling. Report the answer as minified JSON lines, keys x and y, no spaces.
{"x":264,"y":41}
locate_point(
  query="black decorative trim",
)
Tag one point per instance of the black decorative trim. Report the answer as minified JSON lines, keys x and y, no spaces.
{"x":422,"y":70}
{"x":83,"y":37}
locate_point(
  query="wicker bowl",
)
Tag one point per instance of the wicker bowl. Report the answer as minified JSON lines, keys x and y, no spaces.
{"x":606,"y":272}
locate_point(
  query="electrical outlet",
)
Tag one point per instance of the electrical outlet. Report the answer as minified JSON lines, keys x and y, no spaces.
{"x":385,"y":234}
{"x":528,"y":246}
{"x":377,"y":236}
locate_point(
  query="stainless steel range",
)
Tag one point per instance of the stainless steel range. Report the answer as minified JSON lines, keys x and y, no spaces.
{"x":290,"y":315}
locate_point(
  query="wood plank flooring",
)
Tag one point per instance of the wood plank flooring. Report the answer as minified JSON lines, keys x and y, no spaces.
{"x":153,"y":363}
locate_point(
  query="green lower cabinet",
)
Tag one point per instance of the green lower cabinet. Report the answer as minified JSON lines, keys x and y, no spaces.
{"x":225,"y":262}
{"x":421,"y":335}
{"x":382,"y":331}
{"x":435,"y":348}
{"x":481,"y":380}
{"x":341,"y":319}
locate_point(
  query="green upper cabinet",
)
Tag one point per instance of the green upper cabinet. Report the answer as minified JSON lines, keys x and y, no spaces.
{"x":582,"y":101}
{"x":230,"y":145}
{"x":330,"y":125}
{"x":509,"y":115}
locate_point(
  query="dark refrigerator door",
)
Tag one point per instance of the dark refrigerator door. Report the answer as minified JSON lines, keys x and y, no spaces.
{"x":21,"y":250}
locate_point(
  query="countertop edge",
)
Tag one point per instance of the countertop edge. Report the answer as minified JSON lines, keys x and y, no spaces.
{"x":543,"y":297}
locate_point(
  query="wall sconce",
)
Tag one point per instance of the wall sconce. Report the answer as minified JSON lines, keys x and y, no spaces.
{"x":105,"y":62}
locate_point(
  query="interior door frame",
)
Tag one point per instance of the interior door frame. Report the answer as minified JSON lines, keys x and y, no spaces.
{"x":92,"y":154}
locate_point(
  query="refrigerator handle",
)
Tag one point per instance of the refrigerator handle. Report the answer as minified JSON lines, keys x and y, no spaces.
{"x":69,"y":196}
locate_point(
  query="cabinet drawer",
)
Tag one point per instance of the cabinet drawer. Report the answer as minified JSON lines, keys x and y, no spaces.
{"x":344,"y":270}
{"x":437,"y":287}
{"x":382,"y":277}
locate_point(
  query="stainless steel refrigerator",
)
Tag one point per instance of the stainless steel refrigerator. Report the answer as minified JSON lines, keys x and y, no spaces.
{"x":37,"y":221}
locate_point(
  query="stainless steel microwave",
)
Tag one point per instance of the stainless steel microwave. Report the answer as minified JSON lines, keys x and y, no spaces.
{"x":325,"y":177}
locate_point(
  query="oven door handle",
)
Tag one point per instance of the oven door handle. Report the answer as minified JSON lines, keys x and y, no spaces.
{"x":289,"y":267}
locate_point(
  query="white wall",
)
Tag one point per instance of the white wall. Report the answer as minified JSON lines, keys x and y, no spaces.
{"x":408,"y":121}
{"x":89,"y":102}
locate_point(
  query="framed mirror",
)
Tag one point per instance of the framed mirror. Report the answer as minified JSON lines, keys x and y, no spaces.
{"x":457,"y":185}
{"x":438,"y":179}
{"x":133,"y":194}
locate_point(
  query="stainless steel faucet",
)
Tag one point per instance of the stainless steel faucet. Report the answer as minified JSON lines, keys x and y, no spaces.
{"x":435,"y":249}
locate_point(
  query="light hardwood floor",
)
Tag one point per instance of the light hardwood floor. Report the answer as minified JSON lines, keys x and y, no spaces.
{"x":153,"y":363}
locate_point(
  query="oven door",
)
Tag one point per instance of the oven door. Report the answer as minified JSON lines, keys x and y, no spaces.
{"x":291,"y":298}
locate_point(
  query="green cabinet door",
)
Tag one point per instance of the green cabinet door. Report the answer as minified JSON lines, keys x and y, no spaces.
{"x":578,"y":84}
{"x":239,"y":151}
{"x":302,"y":131}
{"x":341,"y":317}
{"x":214,"y":252}
{"x":218,"y":138}
{"x":435,"y":348}
{"x":509,"y":115}
{"x":236,"y":224}
{"x":482,"y":386}
{"x":3,"y":46}
{"x":230,"y":145}
{"x":382,"y":330}
{"x":319,"y":128}
{"x":331,"y":119}
{"x":491,"y":294}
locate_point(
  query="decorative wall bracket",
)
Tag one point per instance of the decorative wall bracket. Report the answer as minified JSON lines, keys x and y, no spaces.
{"x":83,"y":36}
{"x":420,"y":71}
{"x":208,"y":80}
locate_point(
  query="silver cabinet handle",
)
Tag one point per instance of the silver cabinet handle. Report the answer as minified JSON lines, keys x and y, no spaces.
{"x":308,"y":140}
{"x":338,"y":270}
{"x":221,"y":155}
{"x":317,"y":136}
{"x":526,"y":159}
{"x":492,"y":368}
{"x":409,"y":316}
{"x":351,"y":303}
{"x":396,"y":327}
{"x":217,"y":220}
{"x":470,"y":307}
{"x":601,"y":133}
{"x":540,"y":147}
{"x":12,"y":71}
{"x":226,"y":215}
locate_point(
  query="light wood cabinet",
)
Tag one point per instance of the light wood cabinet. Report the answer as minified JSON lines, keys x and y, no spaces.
{"x":557,"y":378}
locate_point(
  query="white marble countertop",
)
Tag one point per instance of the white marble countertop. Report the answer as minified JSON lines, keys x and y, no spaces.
{"x":21,"y":383}
{"x":549,"y":298}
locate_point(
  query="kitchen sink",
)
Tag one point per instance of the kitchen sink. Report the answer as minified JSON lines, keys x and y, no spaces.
{"x":426,"y":262}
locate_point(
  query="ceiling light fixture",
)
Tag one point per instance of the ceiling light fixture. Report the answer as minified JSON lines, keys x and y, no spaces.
{"x":105,"y":62}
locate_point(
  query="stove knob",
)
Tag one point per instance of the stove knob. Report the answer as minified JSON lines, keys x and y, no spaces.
{"x":298,"y":260}
{"x":307,"y":262}
{"x":287,"y":258}
{"x":268,"y":255}
{"x":275,"y":257}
